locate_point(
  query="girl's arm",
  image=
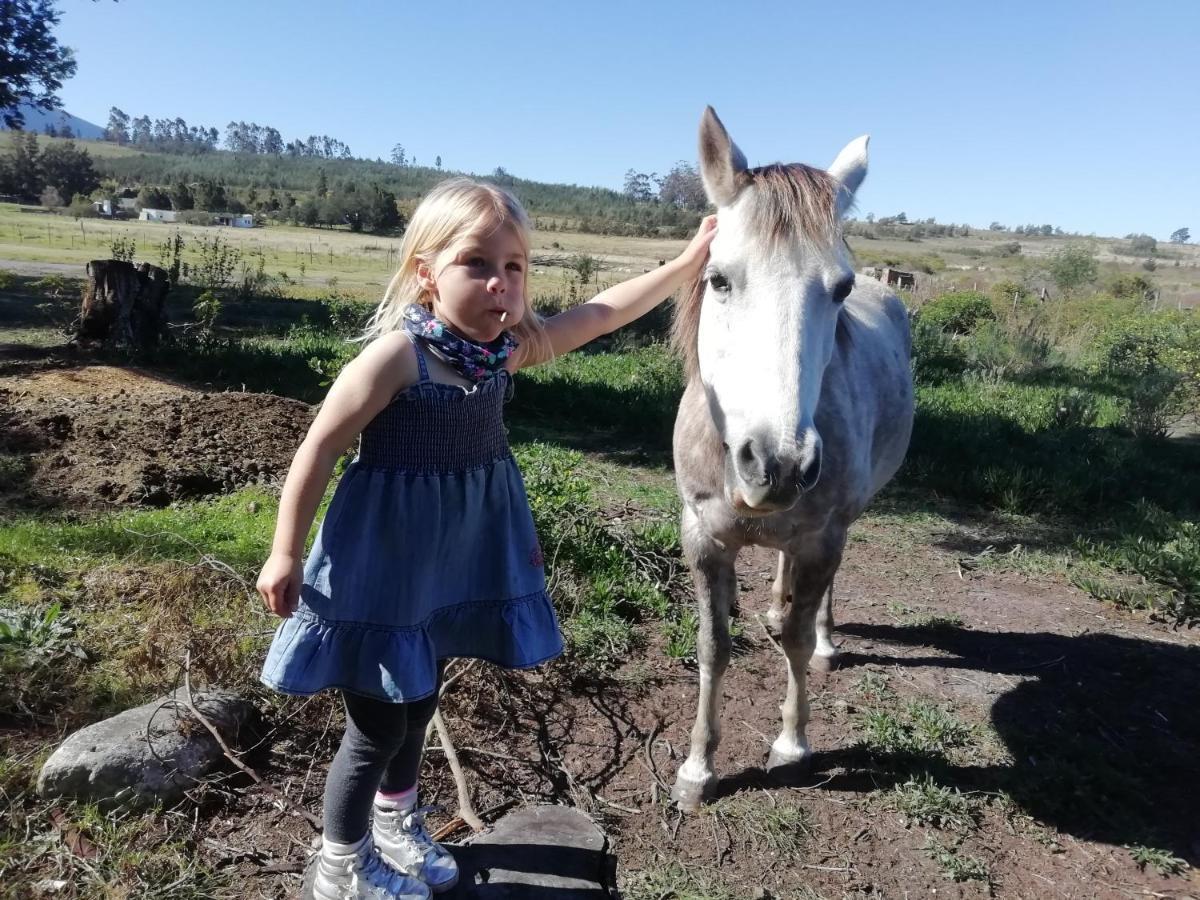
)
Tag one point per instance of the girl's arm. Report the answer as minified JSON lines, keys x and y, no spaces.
{"x":621,"y":304}
{"x":367,"y":384}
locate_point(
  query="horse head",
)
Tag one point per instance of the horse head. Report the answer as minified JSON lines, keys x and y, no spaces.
{"x":767,"y":309}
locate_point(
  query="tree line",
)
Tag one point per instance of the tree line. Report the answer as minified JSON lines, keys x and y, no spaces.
{"x":556,"y":206}
{"x":176,"y":136}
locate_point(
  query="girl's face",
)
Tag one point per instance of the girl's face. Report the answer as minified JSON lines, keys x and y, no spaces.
{"x":477,"y":282}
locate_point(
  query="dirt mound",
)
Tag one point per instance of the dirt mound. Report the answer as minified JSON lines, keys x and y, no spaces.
{"x":99,"y":435}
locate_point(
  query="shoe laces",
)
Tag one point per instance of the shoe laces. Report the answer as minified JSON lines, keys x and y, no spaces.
{"x":374,"y":871}
{"x":412,"y":827}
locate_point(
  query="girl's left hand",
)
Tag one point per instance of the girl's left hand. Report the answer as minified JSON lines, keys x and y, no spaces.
{"x":696,"y":252}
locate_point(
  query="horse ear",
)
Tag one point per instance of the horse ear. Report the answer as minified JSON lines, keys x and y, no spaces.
{"x":720,"y":160}
{"x":850,"y":168}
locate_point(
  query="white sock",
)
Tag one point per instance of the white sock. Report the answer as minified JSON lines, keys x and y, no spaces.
{"x":333,"y":848}
{"x":398,"y":800}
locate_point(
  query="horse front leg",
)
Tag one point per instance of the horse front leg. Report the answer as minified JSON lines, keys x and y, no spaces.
{"x":810,"y":583}
{"x":716,"y":588}
{"x":825,"y":653}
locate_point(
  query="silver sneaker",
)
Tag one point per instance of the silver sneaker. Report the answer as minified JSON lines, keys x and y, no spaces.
{"x":402,"y":840}
{"x":363,"y":875}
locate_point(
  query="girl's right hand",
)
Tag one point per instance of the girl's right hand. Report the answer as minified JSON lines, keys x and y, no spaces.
{"x":695,"y":253}
{"x":279,"y":584}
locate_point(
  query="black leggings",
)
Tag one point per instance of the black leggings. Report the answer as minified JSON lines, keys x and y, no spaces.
{"x":380,"y":751}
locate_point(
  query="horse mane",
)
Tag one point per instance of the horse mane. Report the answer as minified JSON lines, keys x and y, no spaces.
{"x":789,"y":201}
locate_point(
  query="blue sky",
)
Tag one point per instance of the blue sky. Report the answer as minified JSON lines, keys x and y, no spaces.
{"x":1078,"y":113}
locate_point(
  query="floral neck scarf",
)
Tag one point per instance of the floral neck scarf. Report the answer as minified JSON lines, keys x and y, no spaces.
{"x":475,"y":362}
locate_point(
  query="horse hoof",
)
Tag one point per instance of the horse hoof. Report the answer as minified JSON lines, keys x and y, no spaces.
{"x":823,"y":664}
{"x":688,"y":795}
{"x":788,"y":769}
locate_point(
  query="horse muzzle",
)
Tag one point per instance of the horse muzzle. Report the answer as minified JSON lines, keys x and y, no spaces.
{"x":761,"y":478}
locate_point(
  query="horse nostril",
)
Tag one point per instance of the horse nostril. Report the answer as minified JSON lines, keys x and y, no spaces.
{"x":751,"y":463}
{"x":811,"y":472}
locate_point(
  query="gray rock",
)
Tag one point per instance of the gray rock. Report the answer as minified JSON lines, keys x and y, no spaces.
{"x":541,"y":853}
{"x":116,"y":761}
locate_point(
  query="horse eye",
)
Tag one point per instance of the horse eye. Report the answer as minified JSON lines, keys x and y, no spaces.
{"x":842,"y":291}
{"x":719,"y":282}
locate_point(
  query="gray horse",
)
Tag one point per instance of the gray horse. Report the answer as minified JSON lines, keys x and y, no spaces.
{"x":798,"y":409}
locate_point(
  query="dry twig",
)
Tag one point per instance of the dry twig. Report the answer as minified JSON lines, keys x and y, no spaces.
{"x":289,"y":804}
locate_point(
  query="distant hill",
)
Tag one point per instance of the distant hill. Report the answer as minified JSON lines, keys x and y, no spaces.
{"x":36,"y":121}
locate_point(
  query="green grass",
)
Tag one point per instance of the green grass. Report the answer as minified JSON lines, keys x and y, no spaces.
{"x":606,"y":579}
{"x":632,"y":396}
{"x":920,"y":728}
{"x":764,"y":827}
{"x":1161,"y":861}
{"x":235,"y":529}
{"x":104,"y":853}
{"x":674,"y":881}
{"x":906,"y":615}
{"x":873,"y":686}
{"x":921,"y":801}
{"x":956,"y":866}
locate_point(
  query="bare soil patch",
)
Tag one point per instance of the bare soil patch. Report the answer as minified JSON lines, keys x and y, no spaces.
{"x":85,"y":435}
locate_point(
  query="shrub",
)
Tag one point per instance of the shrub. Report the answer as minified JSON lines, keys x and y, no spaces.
{"x":1155,"y":401}
{"x":1073,"y":266}
{"x":1142,"y":245}
{"x":81,"y":208}
{"x":1074,"y":408}
{"x":958,"y":312}
{"x":52,"y":285}
{"x":1152,"y":351}
{"x":935,"y":354}
{"x":1136,"y":287}
{"x":206,"y":310}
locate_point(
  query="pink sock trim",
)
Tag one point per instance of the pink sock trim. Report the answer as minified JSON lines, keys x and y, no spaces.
{"x":401,"y":798}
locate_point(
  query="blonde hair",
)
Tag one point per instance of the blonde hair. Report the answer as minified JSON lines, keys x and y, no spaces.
{"x":453,"y":212}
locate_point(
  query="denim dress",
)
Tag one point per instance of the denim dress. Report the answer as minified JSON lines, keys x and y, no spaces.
{"x":427,"y":551}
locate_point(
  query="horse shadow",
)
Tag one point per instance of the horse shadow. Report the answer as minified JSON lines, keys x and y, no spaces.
{"x":1101,"y":732}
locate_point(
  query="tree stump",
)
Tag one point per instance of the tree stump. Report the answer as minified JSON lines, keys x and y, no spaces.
{"x":124,"y":303}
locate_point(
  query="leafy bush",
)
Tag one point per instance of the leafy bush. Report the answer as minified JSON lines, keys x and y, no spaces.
{"x":52,"y":286}
{"x":1154,"y":403}
{"x":935,"y":354}
{"x":1131,"y":286}
{"x":206,"y":309}
{"x":958,"y":312}
{"x":996,"y":351}
{"x":1157,"y":357}
{"x":1073,"y":266}
{"x":1074,"y":408}
{"x":1136,"y":345}
{"x":1161,"y":547}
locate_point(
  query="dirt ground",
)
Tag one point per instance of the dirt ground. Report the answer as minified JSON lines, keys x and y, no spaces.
{"x":90,"y":435}
{"x":1082,"y":725}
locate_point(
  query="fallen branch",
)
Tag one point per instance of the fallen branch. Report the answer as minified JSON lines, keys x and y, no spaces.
{"x":466,"y":811}
{"x":288,"y":803}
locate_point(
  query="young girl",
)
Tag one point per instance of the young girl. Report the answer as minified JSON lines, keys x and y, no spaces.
{"x":428,"y":549}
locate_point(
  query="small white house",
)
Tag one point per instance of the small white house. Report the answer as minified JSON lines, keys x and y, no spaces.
{"x":234,"y":220}
{"x":158,"y":215}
